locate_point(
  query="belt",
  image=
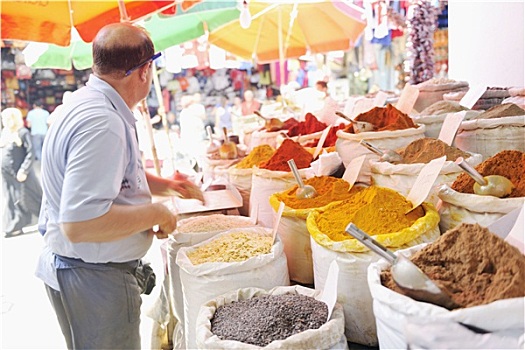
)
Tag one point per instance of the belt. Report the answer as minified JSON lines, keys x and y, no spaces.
{"x":129,"y":266}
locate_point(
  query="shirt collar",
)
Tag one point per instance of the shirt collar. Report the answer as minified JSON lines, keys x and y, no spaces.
{"x":113,"y":96}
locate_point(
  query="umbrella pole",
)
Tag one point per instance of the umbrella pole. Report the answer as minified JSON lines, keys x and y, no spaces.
{"x":147,"y":121}
{"x":162,"y":113}
{"x":281,"y":51}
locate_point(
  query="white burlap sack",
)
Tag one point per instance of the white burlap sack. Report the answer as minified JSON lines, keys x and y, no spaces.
{"x":458,"y":208}
{"x":401,"y":177}
{"x":265,"y":183}
{"x":490,"y":136}
{"x":263,"y":137}
{"x":433,"y":123}
{"x":204,"y":282}
{"x":328,"y":336}
{"x":430,"y":93}
{"x":242,"y":180}
{"x":348,"y":147}
{"x":352,"y":291}
{"x":301,"y":139}
{"x":392,"y":309}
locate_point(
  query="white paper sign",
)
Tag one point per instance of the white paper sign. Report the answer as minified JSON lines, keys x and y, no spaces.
{"x":510,"y":228}
{"x":329,"y":296}
{"x":320,"y":144}
{"x":450,"y":127}
{"x":472,"y":96}
{"x":350,"y":104}
{"x":353,"y":169}
{"x":277,"y":220}
{"x":408,"y":99}
{"x":380,"y":99}
{"x":424,"y":181}
{"x":362,"y":106}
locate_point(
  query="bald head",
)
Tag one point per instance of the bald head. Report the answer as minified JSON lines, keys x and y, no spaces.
{"x":119,"y":47}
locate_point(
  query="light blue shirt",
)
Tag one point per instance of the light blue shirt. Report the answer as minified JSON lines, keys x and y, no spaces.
{"x":38,"y":119}
{"x":91,"y":160}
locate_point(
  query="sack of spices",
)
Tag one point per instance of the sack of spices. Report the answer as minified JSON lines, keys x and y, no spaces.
{"x":230,"y":260}
{"x":394,"y":130}
{"x":432,"y":90}
{"x":380,"y":212}
{"x":292,"y":228}
{"x":189,"y":232}
{"x":281,"y":318}
{"x":483,"y":274}
{"x":416,"y":155}
{"x":461,"y":205}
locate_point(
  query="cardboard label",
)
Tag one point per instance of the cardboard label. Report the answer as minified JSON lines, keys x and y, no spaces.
{"x":424,"y":182}
{"x":322,"y":139}
{"x":362,"y":106}
{"x":380,"y":99}
{"x":510,"y":227}
{"x":450,"y":127}
{"x":408,"y":99}
{"x":329,"y":296}
{"x":472,"y":96}
{"x":277,"y":220}
{"x":353,"y":169}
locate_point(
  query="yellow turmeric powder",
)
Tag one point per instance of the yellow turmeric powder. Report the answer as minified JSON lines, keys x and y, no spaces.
{"x":329,"y":189}
{"x":258,"y":155}
{"x":375,"y":210}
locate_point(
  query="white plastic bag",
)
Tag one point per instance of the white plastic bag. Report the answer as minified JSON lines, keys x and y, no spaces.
{"x":401,"y":177}
{"x":490,"y":136}
{"x":457,"y":208}
{"x":391,"y":310}
{"x":328,"y":336}
{"x":204,"y":282}
{"x":348,"y":147}
{"x":242,"y":180}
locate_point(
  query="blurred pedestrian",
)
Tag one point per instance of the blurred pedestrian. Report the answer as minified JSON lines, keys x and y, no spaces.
{"x":23,"y":193}
{"x":223,"y":116}
{"x":249,"y":105}
{"x":37,"y":120}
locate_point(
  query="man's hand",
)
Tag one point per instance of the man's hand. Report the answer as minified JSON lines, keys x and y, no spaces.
{"x":185,"y":189}
{"x":21,"y":176}
{"x":167,"y":225}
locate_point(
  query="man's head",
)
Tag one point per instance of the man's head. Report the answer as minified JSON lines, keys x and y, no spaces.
{"x":120,"y":47}
{"x":321,"y":85}
{"x":248,"y":95}
{"x":38,"y":104}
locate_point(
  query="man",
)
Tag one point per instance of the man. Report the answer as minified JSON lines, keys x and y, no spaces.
{"x":97,"y":218}
{"x":37,"y":120}
{"x":249,"y":105}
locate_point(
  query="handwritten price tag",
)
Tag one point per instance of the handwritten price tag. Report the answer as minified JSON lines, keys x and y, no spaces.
{"x":408,"y":99}
{"x":424,"y":182}
{"x":472,"y":96}
{"x":353,"y":169}
{"x":450,"y":127}
{"x":277,"y":220}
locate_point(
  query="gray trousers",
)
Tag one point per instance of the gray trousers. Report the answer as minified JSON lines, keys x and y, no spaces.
{"x":97,"y":308}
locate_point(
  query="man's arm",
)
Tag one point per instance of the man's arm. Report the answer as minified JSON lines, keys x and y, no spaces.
{"x":122,"y":221}
{"x":160,"y":186}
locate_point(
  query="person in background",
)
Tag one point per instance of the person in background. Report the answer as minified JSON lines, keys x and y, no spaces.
{"x":56,"y":112}
{"x":237,"y":106}
{"x":97,"y":218}
{"x":37,"y":120}
{"x":192,"y":129}
{"x":21,"y":187}
{"x":223,"y":117}
{"x":329,"y":106}
{"x":249,"y":105}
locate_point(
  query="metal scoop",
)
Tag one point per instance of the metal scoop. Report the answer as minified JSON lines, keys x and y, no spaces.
{"x":358,"y":125}
{"x":387,"y":155}
{"x":407,"y":276}
{"x":304,"y":191}
{"x":492,"y":185}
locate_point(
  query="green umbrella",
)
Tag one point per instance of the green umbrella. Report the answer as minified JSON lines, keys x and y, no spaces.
{"x":165,"y":32}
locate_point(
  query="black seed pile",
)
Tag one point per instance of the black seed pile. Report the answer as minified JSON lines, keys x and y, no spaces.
{"x":261,"y":320}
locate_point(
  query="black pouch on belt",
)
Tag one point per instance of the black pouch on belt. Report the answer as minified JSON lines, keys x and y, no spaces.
{"x":146,"y":278}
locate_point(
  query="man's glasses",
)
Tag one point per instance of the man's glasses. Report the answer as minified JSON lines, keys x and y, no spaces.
{"x":152,"y":58}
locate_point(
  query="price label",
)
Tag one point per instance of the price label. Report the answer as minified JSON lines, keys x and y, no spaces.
{"x":329,"y":296}
{"x":408,"y":99}
{"x":450,"y":127}
{"x":277,"y":220}
{"x":380,"y":99}
{"x":322,"y":139}
{"x":353,"y":169}
{"x":472,"y":96}
{"x":424,"y":182}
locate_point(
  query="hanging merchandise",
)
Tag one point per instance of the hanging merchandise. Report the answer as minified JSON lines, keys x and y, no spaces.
{"x":420,"y":51}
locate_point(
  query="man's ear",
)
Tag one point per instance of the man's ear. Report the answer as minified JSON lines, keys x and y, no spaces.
{"x":144,"y":71}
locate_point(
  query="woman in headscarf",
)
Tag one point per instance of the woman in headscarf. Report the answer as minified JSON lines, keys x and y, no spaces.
{"x":21,"y":185}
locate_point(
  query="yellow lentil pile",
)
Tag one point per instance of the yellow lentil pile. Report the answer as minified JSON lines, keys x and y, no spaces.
{"x":375,"y":210}
{"x":233,"y":247}
{"x":329,"y":189}
{"x":258,"y":155}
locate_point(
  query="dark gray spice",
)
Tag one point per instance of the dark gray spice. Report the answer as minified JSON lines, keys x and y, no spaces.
{"x":261,"y":320}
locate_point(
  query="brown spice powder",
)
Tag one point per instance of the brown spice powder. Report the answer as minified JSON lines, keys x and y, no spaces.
{"x":426,"y":149}
{"x":508,"y":163}
{"x":474,"y":265}
{"x":384,"y":118}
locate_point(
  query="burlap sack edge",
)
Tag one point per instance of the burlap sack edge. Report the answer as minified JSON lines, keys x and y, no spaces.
{"x":477,"y":203}
{"x":370,"y":135}
{"x":492,"y":123}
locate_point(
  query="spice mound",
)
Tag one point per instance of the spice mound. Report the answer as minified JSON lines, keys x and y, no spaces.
{"x":261,"y":320}
{"x":475,"y":266}
{"x":289,"y":149}
{"x":331,"y":138}
{"x":375,"y":210}
{"x":310,"y":125}
{"x":441,"y":107}
{"x":213,"y":223}
{"x":384,"y":118}
{"x":504,"y":110}
{"x":258,"y":155}
{"x":233,"y":247}
{"x":508,"y":163}
{"x":329,"y":189}
{"x":426,"y":149}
